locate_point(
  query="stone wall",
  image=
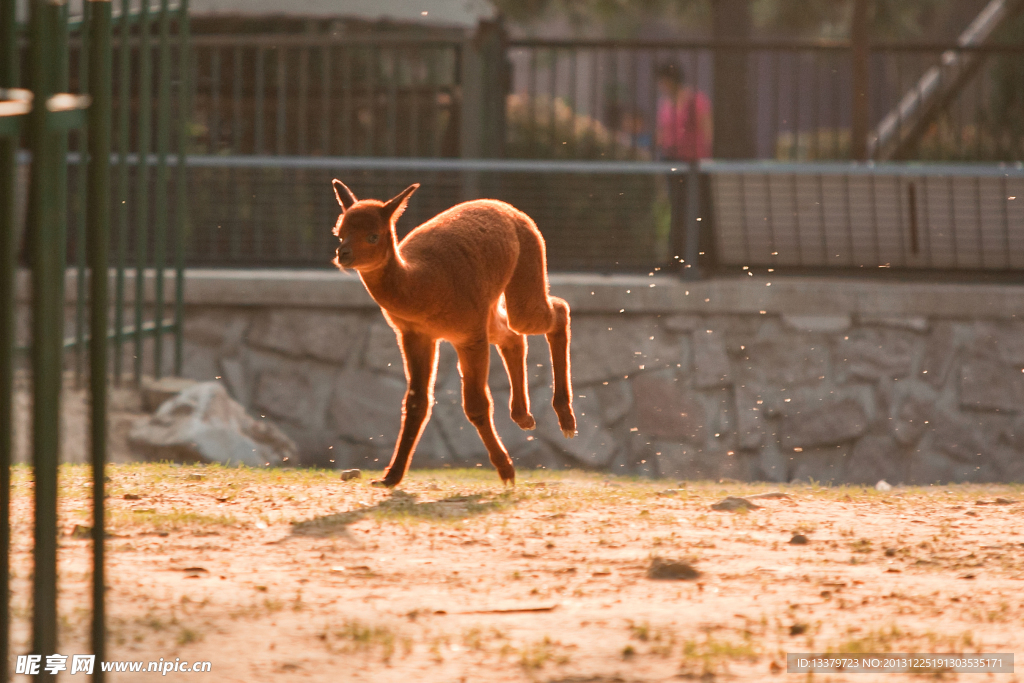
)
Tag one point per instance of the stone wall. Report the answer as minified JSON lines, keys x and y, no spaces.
{"x":842,"y":381}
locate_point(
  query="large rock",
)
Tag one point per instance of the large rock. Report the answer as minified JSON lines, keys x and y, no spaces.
{"x":204,"y":424}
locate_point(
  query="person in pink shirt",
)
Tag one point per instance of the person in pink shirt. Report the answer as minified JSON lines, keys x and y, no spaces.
{"x":684,"y":117}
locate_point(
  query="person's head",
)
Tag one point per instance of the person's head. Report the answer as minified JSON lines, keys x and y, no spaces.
{"x":670,"y":77}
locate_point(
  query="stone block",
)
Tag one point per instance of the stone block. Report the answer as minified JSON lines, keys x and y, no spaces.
{"x":870,"y":354}
{"x":295,"y":391}
{"x":664,"y":409}
{"x":594,"y":444}
{"x":990,"y":384}
{"x":710,"y":361}
{"x":817,"y":323}
{"x":877,"y":457}
{"x":822,"y":423}
{"x":826,"y":465}
{"x":911,"y":412}
{"x":223,"y":329}
{"x":682,"y":461}
{"x":960,"y":437}
{"x":199,"y":361}
{"x":382,"y":352}
{"x":330,"y":337}
{"x":626,"y":344}
{"x":939,"y":351}
{"x":235,"y":376}
{"x":749,"y":418}
{"x":616,"y":399}
{"x":366,"y":406}
{"x":915,"y":323}
{"x":929,"y":466}
{"x":784,"y":362}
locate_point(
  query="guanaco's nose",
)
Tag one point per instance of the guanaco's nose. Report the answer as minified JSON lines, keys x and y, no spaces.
{"x":345,"y":251}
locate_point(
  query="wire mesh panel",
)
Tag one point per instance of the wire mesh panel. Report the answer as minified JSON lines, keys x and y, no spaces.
{"x":282,"y":215}
{"x":963,"y":218}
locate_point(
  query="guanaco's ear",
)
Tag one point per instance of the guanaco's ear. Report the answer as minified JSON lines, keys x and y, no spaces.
{"x":345,"y":197}
{"x":394,"y":208}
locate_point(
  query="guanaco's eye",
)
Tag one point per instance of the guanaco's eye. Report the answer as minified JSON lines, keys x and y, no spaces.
{"x":372,"y":239}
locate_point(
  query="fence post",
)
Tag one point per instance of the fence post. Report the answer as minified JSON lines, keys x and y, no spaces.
{"x":484,"y":83}
{"x":47,"y":256}
{"x":97,"y":242}
{"x":684,"y":236}
{"x":8,"y":271}
{"x":859,"y":96}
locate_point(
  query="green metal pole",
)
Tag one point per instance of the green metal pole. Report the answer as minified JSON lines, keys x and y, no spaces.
{"x":81,"y":204}
{"x":98,"y":240}
{"x":181,"y":212}
{"x":123,"y":118}
{"x":163,"y":137}
{"x":8,"y":272}
{"x":47,"y":321}
{"x":142,"y":191}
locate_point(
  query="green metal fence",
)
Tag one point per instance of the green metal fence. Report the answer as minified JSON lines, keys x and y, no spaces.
{"x":71,"y":202}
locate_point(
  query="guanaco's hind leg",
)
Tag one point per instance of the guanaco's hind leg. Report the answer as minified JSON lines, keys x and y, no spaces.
{"x":474,"y":362}
{"x":420,"y":355}
{"x":558,"y":342}
{"x":512,"y":347}
{"x":532,"y":311}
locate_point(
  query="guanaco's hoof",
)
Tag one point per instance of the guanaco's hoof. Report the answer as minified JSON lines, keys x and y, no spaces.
{"x":569,"y":433}
{"x":527,"y":423}
{"x":381,"y":484}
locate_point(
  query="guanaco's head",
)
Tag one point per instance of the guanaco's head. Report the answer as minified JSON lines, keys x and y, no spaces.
{"x":366,"y":228}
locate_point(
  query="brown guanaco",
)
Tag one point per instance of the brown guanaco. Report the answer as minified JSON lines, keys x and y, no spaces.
{"x":473,"y":275}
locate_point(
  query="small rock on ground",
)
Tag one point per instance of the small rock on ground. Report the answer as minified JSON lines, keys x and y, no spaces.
{"x":799,"y":539}
{"x":671,"y":570}
{"x":346,"y":475}
{"x":732,"y":503}
{"x":883,"y":485}
{"x":771,"y":495}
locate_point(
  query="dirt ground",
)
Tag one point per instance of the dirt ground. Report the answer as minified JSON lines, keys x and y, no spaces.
{"x":295,"y":575}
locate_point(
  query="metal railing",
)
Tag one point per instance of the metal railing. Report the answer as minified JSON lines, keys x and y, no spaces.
{"x":599,"y":98}
{"x":252,"y":211}
{"x":633,"y":216}
{"x":406,"y":96}
{"x":71,"y":201}
{"x":944,"y":219}
{"x":325,"y":96}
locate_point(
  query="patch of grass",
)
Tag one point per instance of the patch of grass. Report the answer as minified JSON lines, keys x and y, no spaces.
{"x":188,"y":635}
{"x":356,"y":635}
{"x":710,"y":656}
{"x":661,"y":641}
{"x":536,"y":655}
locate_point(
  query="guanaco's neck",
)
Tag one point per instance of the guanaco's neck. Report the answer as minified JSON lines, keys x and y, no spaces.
{"x":389,"y":284}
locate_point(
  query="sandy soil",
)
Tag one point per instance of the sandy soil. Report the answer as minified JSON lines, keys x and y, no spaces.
{"x":295,"y":575}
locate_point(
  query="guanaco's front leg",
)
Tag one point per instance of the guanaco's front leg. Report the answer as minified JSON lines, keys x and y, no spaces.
{"x":474,"y":363}
{"x":419,"y":353}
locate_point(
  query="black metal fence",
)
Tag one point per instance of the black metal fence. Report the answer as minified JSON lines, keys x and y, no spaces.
{"x":425,"y":97}
{"x":55,"y":102}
